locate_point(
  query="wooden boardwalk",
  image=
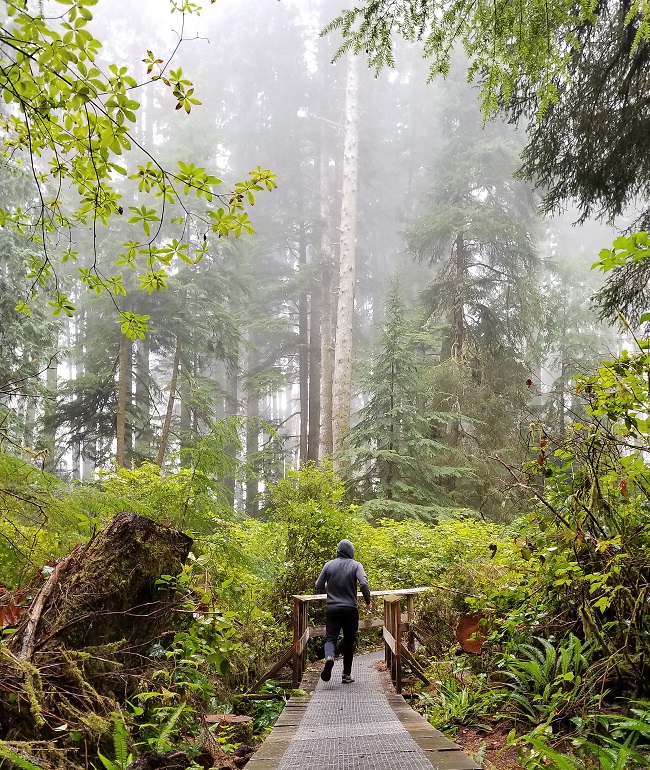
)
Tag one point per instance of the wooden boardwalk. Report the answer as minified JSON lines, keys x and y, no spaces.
{"x":357,"y":726}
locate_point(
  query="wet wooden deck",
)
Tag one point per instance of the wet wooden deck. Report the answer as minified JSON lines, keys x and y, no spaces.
{"x":359,"y":726}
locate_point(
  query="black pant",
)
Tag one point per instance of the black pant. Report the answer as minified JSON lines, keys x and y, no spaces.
{"x":346,"y":618}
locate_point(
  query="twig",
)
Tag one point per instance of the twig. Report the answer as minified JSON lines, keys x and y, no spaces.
{"x":36,"y":610}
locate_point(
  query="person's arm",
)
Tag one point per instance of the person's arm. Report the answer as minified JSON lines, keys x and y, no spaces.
{"x":322,"y":580}
{"x":363,"y":583}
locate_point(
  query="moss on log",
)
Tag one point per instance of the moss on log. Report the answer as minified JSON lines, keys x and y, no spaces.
{"x":81,"y":648}
{"x":107,"y":590}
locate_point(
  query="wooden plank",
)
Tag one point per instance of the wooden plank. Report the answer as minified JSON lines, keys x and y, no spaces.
{"x":315,"y":631}
{"x":300,"y":644}
{"x":413,"y":663}
{"x":274,"y":669}
{"x":390,"y":641}
{"x":395,"y":592}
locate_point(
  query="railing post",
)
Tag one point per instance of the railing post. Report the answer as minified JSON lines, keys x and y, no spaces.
{"x":387,"y":650}
{"x":397,"y":658}
{"x":297,"y":636}
{"x":410,"y":612}
{"x":304,"y":623}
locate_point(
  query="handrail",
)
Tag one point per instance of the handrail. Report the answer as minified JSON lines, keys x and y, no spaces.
{"x":394,"y":592}
{"x":393,"y":622}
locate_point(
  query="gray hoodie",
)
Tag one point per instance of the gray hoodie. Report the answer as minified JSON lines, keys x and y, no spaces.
{"x":339,"y":577}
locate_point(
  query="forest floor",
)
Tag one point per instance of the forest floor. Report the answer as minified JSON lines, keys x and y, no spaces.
{"x":496,"y":757}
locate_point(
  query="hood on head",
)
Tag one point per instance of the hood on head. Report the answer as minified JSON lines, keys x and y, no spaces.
{"x":345,"y":548}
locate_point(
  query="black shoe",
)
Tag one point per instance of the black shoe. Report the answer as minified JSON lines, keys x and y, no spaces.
{"x":347,"y":678}
{"x":326,"y":673}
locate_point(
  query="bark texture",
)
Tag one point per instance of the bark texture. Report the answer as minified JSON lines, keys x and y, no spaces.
{"x":342,"y":383}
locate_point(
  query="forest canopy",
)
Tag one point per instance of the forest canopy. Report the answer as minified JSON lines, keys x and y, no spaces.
{"x":574,"y":73}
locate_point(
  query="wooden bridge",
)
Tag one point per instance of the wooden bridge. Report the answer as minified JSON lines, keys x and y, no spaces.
{"x":396,"y":620}
{"x":366,"y":725}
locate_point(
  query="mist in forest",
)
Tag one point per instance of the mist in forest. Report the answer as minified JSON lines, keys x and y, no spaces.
{"x":398,"y":239}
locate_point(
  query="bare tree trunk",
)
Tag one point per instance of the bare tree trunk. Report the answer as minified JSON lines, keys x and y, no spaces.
{"x":342,"y":382}
{"x":303,"y":351}
{"x":185,"y":393}
{"x":327,"y":305}
{"x":252,"y":434}
{"x":29,"y":422}
{"x":313,"y":438}
{"x":142,"y":400}
{"x":123,"y":392}
{"x":459,"y":299}
{"x":48,"y":438}
{"x":457,"y":337}
{"x":231,"y":408}
{"x":164,"y":436}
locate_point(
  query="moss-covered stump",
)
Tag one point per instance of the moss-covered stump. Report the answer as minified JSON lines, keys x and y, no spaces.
{"x":81,"y":648}
{"x":106,"y":591}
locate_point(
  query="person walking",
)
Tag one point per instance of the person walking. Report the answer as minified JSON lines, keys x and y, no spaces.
{"x":339,"y":578}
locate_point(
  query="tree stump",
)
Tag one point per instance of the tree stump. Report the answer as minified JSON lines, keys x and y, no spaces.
{"x":82,"y":645}
{"x":106,"y":591}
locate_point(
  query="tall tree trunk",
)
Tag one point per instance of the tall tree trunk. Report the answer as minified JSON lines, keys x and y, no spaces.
{"x":327,"y":304}
{"x":164,"y":435}
{"x":252,"y":434}
{"x":29,"y":422}
{"x":303,"y":350}
{"x":185,"y":393}
{"x":231,"y":409}
{"x":48,"y":438}
{"x":123,"y":377}
{"x":459,"y":298}
{"x":342,"y":382}
{"x":142,"y":400}
{"x":313,"y":438}
{"x":457,"y":338}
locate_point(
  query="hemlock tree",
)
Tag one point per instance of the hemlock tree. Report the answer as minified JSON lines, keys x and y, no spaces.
{"x":476,"y":228}
{"x":578,"y":73}
{"x":399,"y":462}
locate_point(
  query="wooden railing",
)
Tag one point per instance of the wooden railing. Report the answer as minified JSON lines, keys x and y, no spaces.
{"x":394,"y":623}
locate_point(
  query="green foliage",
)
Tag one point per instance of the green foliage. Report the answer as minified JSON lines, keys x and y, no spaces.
{"x":455,"y":553}
{"x":458,"y":703}
{"x":399,"y":461}
{"x":549,"y":681}
{"x":17,"y":759}
{"x":67,"y":105}
{"x":266,"y":712}
{"x":618,"y":743}
{"x":527,"y":39}
{"x":36,"y":521}
{"x":120,"y":747}
{"x":308,"y":505}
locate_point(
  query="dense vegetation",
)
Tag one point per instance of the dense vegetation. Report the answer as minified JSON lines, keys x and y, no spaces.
{"x":491,"y":433}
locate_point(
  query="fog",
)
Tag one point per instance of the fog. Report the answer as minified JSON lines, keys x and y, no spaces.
{"x":257,"y":328}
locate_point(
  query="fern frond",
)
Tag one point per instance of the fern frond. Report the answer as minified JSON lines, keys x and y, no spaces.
{"x":162,"y":740}
{"x":120,"y":744}
{"x":18,"y":759}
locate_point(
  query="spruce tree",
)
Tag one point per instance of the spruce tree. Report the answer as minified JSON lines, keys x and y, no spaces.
{"x":399,"y":464}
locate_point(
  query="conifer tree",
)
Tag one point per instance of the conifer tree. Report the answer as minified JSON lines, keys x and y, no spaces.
{"x":399,"y":461}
